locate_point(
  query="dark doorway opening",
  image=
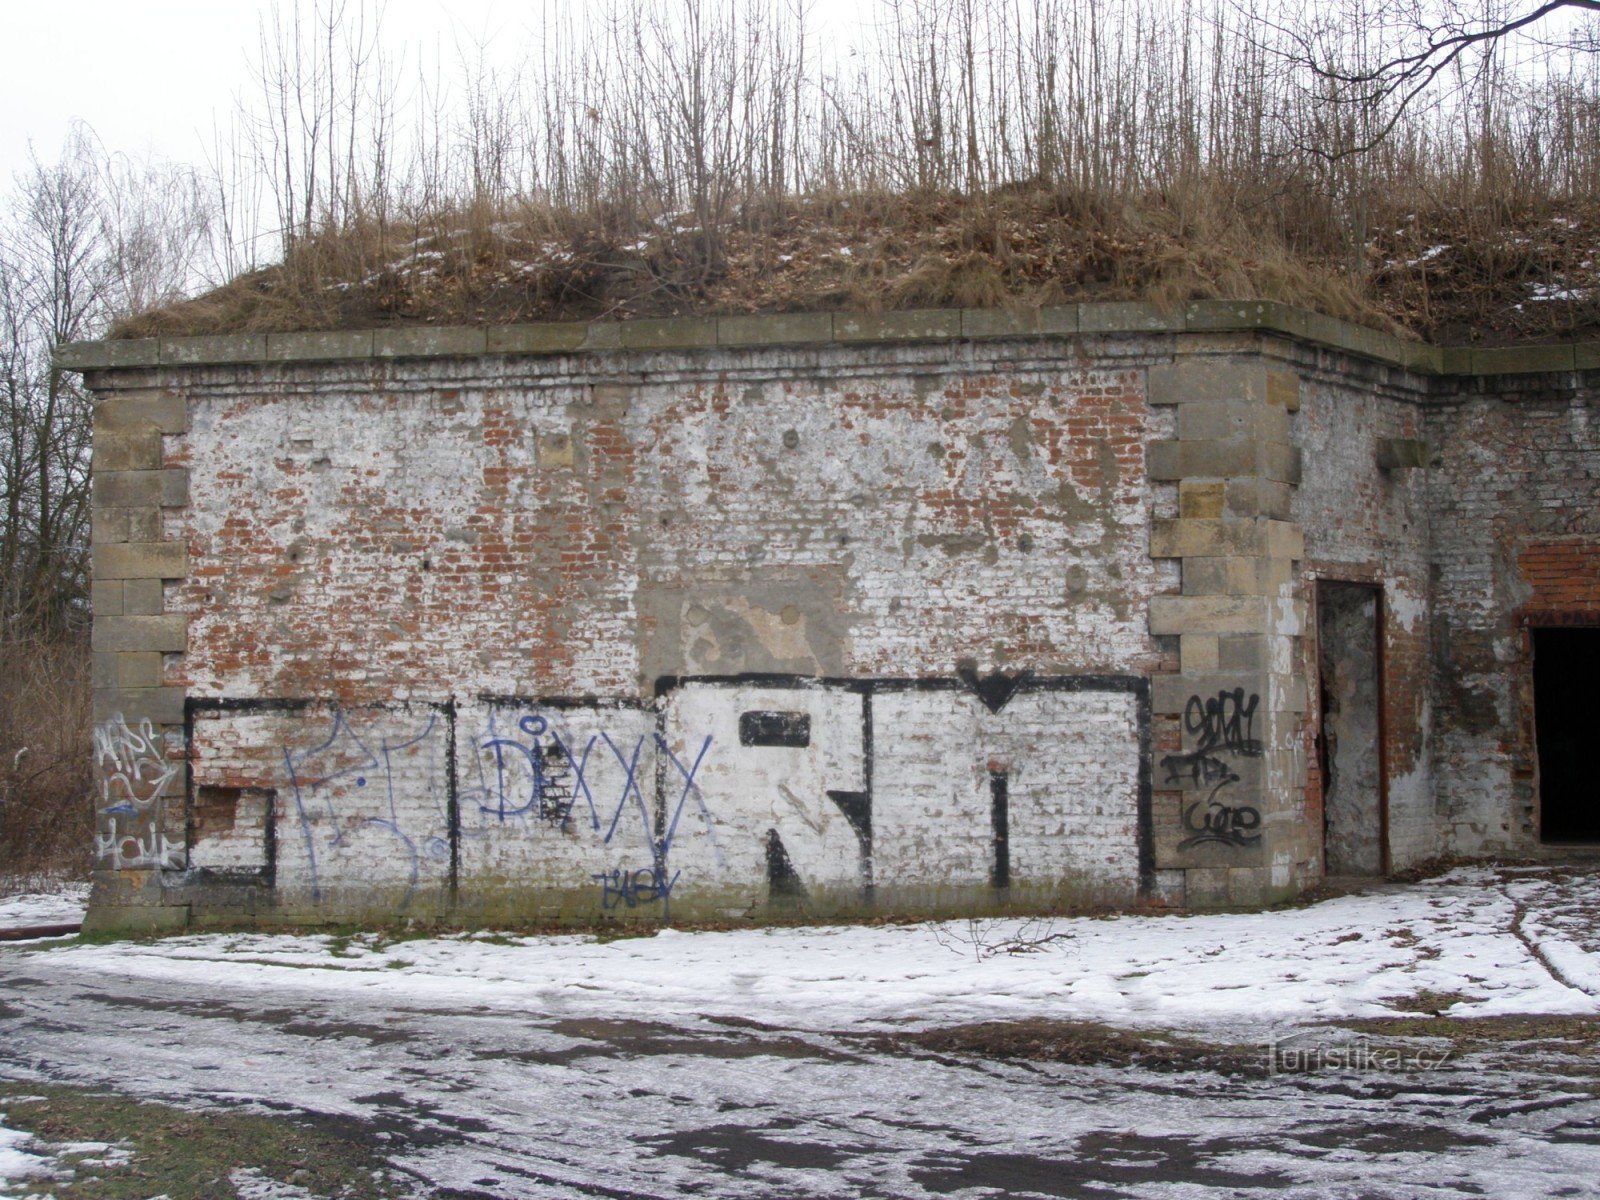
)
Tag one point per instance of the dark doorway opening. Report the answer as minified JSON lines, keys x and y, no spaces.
{"x":1566,"y":662}
{"x":1350,"y":742}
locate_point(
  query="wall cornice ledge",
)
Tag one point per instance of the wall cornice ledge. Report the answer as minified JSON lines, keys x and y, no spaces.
{"x":821,"y":328}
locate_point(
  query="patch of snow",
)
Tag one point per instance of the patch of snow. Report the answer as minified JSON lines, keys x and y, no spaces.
{"x":1579,"y":968}
{"x":1428,"y":255}
{"x":721,"y":1063}
{"x":1556,"y":291}
{"x":251,"y":1184}
{"x":95,"y":1154}
{"x":1451,"y":935}
{"x":15,"y":1162}
{"x":44,"y":908}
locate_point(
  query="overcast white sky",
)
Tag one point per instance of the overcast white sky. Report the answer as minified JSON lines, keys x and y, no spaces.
{"x":152,"y":74}
{"x":160,"y":75}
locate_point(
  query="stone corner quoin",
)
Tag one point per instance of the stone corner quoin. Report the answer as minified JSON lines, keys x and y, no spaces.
{"x":949,"y":611}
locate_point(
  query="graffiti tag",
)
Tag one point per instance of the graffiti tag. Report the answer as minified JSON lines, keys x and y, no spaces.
{"x":1231,"y":825}
{"x":1220,"y":727}
{"x":647,"y":885}
{"x":344,"y":763}
{"x":134,"y":778}
{"x":554,"y":778}
{"x":1224,"y":722}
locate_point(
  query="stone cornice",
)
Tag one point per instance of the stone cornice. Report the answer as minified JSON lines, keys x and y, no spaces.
{"x":821,"y":328}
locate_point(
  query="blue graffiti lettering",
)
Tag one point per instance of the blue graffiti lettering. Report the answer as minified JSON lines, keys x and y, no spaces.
{"x":647,"y":885}
{"x":345,"y":758}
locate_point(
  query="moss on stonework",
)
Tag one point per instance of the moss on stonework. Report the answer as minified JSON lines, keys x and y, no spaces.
{"x":518,"y":906}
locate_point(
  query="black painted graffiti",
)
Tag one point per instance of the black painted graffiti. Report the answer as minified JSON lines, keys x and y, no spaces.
{"x":1230,"y":825}
{"x":1222,"y":725}
{"x":1000,"y":823}
{"x":1225,"y":722}
{"x":783,"y":881}
{"x":857,"y":809}
{"x":1197,"y":770}
{"x":994,"y":689}
{"x":377,"y":786}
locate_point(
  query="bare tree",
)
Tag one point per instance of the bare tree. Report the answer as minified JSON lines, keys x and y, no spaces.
{"x":1381,"y":59}
{"x":85,"y":240}
{"x":56,"y":283}
{"x":320,"y":125}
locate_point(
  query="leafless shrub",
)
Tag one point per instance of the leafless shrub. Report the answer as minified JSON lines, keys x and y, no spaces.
{"x":46,"y":823}
{"x":986,"y":938}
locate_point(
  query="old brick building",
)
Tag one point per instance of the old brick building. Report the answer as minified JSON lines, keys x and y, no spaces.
{"x":937,"y":611}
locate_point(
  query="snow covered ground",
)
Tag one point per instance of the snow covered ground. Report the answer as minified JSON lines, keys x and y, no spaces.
{"x":16,"y":1163}
{"x":62,"y":907}
{"x":753,"y":1063}
{"x":1356,"y":956}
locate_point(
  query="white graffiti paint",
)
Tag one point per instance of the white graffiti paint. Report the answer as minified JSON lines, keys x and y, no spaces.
{"x":136,"y":782}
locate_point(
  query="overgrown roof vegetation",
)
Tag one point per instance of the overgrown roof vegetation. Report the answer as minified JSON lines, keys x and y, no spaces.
{"x":703,"y":157}
{"x":1447,"y":275}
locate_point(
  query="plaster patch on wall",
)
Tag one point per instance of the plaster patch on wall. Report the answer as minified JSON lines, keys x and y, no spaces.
{"x":1405,"y":609}
{"x":790,"y":622}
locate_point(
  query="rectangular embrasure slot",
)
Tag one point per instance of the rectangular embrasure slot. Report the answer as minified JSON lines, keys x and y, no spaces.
{"x":791,"y":729}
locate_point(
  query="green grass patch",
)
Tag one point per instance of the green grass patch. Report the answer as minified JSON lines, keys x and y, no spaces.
{"x":162,"y":1150}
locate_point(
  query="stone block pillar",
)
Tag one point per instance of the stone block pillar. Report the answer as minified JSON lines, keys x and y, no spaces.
{"x":1229,"y":772}
{"x":138,"y":738}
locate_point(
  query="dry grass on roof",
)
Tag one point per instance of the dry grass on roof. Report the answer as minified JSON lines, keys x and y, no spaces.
{"x":1491,"y":273}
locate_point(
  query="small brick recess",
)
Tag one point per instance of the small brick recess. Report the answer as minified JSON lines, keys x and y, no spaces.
{"x":814,"y":615}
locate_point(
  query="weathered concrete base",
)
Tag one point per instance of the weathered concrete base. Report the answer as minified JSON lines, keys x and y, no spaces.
{"x":206,"y":904}
{"x":132,"y":902}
